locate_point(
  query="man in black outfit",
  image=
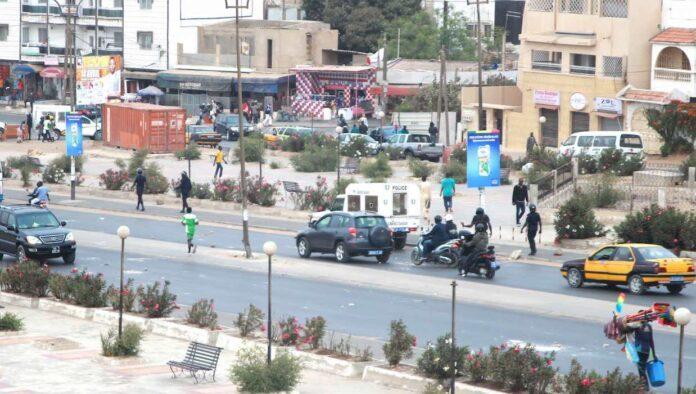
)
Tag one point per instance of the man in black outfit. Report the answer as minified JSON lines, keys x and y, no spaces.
{"x":185,"y":190}
{"x":436,"y":237}
{"x":520,"y":196}
{"x":645,"y":347}
{"x":432,"y":130}
{"x":139,"y":185}
{"x":482,"y":218}
{"x":532,"y":224}
{"x":30,"y":125}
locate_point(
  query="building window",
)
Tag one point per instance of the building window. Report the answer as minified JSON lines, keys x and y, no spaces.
{"x":609,"y":124}
{"x":582,"y":64}
{"x":269,"y":53}
{"x":145,"y":39}
{"x":540,"y":5}
{"x":546,"y":60}
{"x":43,"y":35}
{"x":579,"y":121}
{"x":145,"y":4}
{"x":117,"y":3}
{"x":25,"y":35}
{"x":549,"y":129}
{"x":574,"y":6}
{"x":613,"y":66}
{"x":615,"y":8}
{"x":4,"y":32}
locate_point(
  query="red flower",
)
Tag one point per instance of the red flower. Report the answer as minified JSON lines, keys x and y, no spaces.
{"x":263,"y":328}
{"x":516,"y":350}
{"x":534,"y":370}
{"x":469,"y":357}
{"x":586,"y":382}
{"x":285,"y":336}
{"x":74,"y":270}
{"x":549,"y":362}
{"x":414,"y":341}
{"x":156,"y":307}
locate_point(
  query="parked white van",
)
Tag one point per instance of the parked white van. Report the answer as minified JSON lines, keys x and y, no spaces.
{"x":594,"y":142}
{"x":89,"y":127}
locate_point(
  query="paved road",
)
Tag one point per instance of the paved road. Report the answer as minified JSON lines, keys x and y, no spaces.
{"x":11,"y":117}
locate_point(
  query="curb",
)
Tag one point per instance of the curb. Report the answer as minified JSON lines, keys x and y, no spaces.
{"x":335,"y":366}
{"x":409,"y":382}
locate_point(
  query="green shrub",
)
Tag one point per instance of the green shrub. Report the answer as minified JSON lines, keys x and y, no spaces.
{"x":130,"y":295}
{"x":113,"y":179}
{"x":10,"y":322}
{"x":587,"y":164}
{"x":628,"y":165}
{"x":18,"y":162}
{"x":201,"y":191}
{"x":202,"y":314}
{"x":127,"y":345}
{"x":393,"y":153}
{"x":608,"y":159}
{"x":25,"y":174}
{"x":456,"y":170}
{"x":190,"y":152}
{"x":419,"y":168}
{"x":690,"y":161}
{"x":262,"y":193}
{"x":377,"y":169}
{"x":274,"y":165}
{"x":660,"y":226}
{"x":315,"y":159}
{"x":603,"y":193}
{"x":156,"y":183}
{"x":314,"y":332}
{"x":249,"y":321}
{"x":437,"y":360}
{"x":227,"y":189}
{"x":581,"y":381}
{"x":254,"y":149}
{"x":157,"y":303}
{"x":52,"y":173}
{"x":252,"y":374}
{"x":576,"y":220}
{"x":79,"y":288}
{"x":518,"y":368}
{"x":342,"y":184}
{"x":63,"y":162}
{"x":25,"y":278}
{"x":400,"y":344}
{"x":137,"y":160}
{"x":356,"y":147}
{"x":458,"y":153}
{"x":294,"y":143}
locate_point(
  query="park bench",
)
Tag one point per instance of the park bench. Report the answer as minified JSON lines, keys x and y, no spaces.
{"x":292,"y":188}
{"x":199,"y":358}
{"x":351,"y":165}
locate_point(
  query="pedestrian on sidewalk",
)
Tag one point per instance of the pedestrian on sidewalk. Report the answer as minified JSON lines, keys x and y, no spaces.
{"x":531,"y":143}
{"x":185,"y":190}
{"x":30,"y":125}
{"x":645,"y":347}
{"x":190,"y":221}
{"x":432,"y":130}
{"x":217,"y":163}
{"x":426,"y":196}
{"x":447,"y":190}
{"x":532,"y":224}
{"x":139,"y":185}
{"x":520,"y":197}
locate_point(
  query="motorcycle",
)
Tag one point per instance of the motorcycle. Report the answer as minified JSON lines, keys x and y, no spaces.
{"x":445,"y":254}
{"x":33,"y":201}
{"x":484,"y":264}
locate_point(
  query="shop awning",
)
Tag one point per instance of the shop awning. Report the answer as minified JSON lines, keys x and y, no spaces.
{"x":217,"y":81}
{"x":52,"y":72}
{"x":24,"y":69}
{"x":546,"y":106}
{"x":608,"y":115}
{"x":396,"y":90}
{"x":146,"y":75}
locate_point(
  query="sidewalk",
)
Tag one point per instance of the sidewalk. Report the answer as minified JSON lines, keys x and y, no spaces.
{"x":59,"y":354}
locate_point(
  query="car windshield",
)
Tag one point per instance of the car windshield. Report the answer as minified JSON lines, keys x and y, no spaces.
{"x":234,"y":120}
{"x":604,"y":142}
{"x":655,"y":252}
{"x":36,"y":220}
{"x":630,"y":141}
{"x":370,"y":221}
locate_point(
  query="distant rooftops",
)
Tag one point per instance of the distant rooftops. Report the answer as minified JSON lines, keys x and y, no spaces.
{"x":676,"y":35}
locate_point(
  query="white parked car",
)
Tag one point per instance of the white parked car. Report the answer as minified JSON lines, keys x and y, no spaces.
{"x":58,"y":112}
{"x":594,"y":142}
{"x":346,"y":138}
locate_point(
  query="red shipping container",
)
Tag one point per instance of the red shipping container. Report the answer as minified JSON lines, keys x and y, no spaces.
{"x":157,"y":128}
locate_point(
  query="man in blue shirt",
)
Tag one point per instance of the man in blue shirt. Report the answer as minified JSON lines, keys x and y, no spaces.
{"x":436,"y":237}
{"x":40,"y":194}
{"x":447,"y":190}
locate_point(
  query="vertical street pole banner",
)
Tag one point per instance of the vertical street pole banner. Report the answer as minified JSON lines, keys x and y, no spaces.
{"x":482,"y":159}
{"x":73,"y":134}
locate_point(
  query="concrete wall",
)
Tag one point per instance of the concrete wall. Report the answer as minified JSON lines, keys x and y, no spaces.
{"x":678,"y":13}
{"x":146,"y":20}
{"x":9,"y":15}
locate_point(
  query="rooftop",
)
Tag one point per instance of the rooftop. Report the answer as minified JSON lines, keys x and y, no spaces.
{"x":676,"y":35}
{"x":229,"y":26}
{"x":429,"y":65}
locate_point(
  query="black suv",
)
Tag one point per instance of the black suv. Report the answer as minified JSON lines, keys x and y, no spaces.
{"x":228,"y":125}
{"x":347,"y":234}
{"x":34,"y":233}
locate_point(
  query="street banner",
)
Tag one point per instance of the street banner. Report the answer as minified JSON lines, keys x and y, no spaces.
{"x":73,"y":134}
{"x":482,"y":159}
{"x":98,"y":79}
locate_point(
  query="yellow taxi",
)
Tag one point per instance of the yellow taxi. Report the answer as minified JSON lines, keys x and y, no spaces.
{"x":638,"y":266}
{"x":277,"y":134}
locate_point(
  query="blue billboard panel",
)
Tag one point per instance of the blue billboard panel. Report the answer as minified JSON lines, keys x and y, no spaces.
{"x":73,"y":134}
{"x":482,"y":159}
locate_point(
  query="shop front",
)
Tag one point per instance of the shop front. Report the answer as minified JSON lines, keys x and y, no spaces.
{"x":547,"y":102}
{"x":609,"y":113}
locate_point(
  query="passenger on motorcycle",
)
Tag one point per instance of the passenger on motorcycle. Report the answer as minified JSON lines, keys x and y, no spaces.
{"x":436,"y":237}
{"x":451,"y":227}
{"x":40,"y":195}
{"x":482,"y":218}
{"x":476,"y":246}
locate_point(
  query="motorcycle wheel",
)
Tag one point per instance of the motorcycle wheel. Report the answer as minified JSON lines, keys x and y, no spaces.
{"x":416,"y":256}
{"x":453,"y":258}
{"x":490,"y":274}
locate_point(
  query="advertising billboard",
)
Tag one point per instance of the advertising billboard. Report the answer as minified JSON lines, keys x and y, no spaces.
{"x":98,"y":79}
{"x":73,"y":134}
{"x":482,"y":159}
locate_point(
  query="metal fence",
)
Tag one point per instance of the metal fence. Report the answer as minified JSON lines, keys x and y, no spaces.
{"x":550,"y":183}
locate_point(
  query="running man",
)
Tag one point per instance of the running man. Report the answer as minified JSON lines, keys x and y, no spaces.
{"x":190,"y":221}
{"x":217,"y":163}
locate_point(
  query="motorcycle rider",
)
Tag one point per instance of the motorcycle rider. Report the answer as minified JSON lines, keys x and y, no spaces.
{"x":482,"y":218}
{"x":476,"y":246}
{"x":436,"y":237}
{"x":451,"y":226}
{"x":40,"y":195}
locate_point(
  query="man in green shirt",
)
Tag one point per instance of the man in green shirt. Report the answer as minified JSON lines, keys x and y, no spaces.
{"x":190,"y":221}
{"x":447,"y":191}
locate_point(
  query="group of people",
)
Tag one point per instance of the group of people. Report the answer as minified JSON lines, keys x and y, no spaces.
{"x":359,"y":127}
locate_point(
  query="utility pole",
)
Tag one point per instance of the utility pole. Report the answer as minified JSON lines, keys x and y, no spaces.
{"x":444,"y":91}
{"x":96,"y":30}
{"x":385,"y":81}
{"x":479,"y":59}
{"x":66,"y":56}
{"x":48,"y":33}
{"x":398,"y":43}
{"x":283,"y":5}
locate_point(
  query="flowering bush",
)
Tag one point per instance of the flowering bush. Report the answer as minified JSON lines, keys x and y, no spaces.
{"x":419,"y":168}
{"x":587,"y":164}
{"x":400,"y":344}
{"x":458,"y":153}
{"x":477,"y":367}
{"x":79,"y":288}
{"x":611,"y":161}
{"x":190,"y":152}
{"x":437,"y":360}
{"x":316,"y":198}
{"x":156,"y":181}
{"x":126,"y":345}
{"x":253,"y":375}
{"x":53,"y":174}
{"x":262,"y":193}
{"x":201,"y":191}
{"x":157,"y":303}
{"x":130,"y":295}
{"x":315,"y":329}
{"x":254,"y":148}
{"x":25,"y":278}
{"x":290,"y":332}
{"x":660,"y":226}
{"x":293,"y":143}
{"x":227,"y":189}
{"x":113,"y":179}
{"x":581,"y":381}
{"x":249,"y":321}
{"x":576,"y":220}
{"x":203,"y":314}
{"x":356,"y":147}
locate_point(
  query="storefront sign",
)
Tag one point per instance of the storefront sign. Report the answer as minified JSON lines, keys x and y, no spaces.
{"x":98,"y":79}
{"x":483,"y":159}
{"x":547,"y":97}
{"x":578,"y":101}
{"x":73,"y":134}
{"x":606,"y":104}
{"x":50,"y":60}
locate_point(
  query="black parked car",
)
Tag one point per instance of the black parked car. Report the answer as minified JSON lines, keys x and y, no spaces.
{"x":34,"y":233}
{"x":228,"y":125}
{"x":347,"y":234}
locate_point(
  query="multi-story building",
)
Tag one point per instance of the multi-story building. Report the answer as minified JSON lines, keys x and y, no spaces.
{"x":575,"y":56}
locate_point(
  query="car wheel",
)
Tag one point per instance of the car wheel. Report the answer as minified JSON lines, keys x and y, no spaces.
{"x":636,"y":285}
{"x":303,"y":248}
{"x":675,"y":289}
{"x":575,"y":279}
{"x":69,"y":258}
{"x":416,"y":256}
{"x":341,"y":253}
{"x":21,"y":254}
{"x":384,"y":258}
{"x":399,"y":243}
{"x":408,"y":154}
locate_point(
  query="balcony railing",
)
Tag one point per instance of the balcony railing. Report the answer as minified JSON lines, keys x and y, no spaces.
{"x":546,"y":66}
{"x":40,"y":9}
{"x":666,"y":74}
{"x":586,"y":70}
{"x":53,"y":10}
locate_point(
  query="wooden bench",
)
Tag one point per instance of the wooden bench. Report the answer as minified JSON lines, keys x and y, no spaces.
{"x":351,"y":165}
{"x":199,"y":358}
{"x":292,"y":188}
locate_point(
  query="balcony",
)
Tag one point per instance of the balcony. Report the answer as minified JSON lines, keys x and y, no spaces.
{"x":546,"y":61}
{"x":582,"y":64}
{"x":104,"y":12}
{"x":40,"y":9}
{"x":666,"y":74}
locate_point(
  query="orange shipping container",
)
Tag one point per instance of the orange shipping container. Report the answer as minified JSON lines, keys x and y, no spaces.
{"x":157,"y":128}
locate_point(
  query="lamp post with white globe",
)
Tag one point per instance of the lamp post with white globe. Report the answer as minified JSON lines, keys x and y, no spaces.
{"x":123,"y":233}
{"x":682,"y":316}
{"x":269,"y":248}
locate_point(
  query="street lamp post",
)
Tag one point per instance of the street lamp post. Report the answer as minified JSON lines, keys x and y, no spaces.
{"x":454,"y":346}
{"x":339,"y":130}
{"x":269,"y":248}
{"x":682,"y":316}
{"x":123,"y":233}
{"x":542,"y":120}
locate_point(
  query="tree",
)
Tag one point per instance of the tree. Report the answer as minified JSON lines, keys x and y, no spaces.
{"x":314,"y":9}
{"x":364,"y":29}
{"x":426,"y":99}
{"x":676,"y":124}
